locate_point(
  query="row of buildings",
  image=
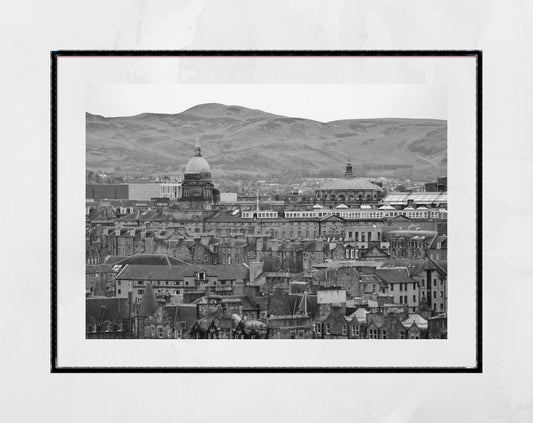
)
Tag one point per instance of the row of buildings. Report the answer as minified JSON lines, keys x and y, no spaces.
{"x":343,"y":264}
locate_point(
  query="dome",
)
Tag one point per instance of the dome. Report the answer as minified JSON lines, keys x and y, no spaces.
{"x":197,"y":165}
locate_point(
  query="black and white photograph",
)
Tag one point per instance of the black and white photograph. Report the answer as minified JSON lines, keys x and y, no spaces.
{"x":302,"y":216}
{"x":266,"y":212}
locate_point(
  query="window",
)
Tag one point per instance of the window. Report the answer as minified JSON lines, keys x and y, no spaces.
{"x":353,"y":330}
{"x":402,"y":334}
{"x":140,"y":291}
{"x":118,"y":291}
{"x":405,"y":299}
{"x":106,"y":327}
{"x":120,"y":327}
{"x":441,"y":306}
{"x":160,"y":332}
{"x":434,"y":282}
{"x":201,"y":276}
{"x":327,"y":329}
{"x":392,"y":287}
{"x":383,"y":334}
{"x":167,"y":283}
{"x":118,"y":283}
{"x":442,"y":294}
{"x":434,"y":294}
{"x":318,"y":328}
{"x":373,"y":334}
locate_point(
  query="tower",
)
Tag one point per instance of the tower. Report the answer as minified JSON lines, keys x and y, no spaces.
{"x":349,"y":171}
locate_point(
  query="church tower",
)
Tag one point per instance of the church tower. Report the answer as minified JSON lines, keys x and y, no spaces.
{"x":349,"y":171}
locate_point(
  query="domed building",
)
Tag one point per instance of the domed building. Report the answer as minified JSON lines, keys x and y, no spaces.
{"x":349,"y":190}
{"x":197,"y":187}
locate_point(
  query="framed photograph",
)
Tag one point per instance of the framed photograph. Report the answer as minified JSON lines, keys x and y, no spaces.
{"x":266,"y":211}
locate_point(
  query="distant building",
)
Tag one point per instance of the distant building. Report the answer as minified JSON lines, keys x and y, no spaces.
{"x":107,"y":318}
{"x":197,"y":189}
{"x":107,"y":191}
{"x":169,"y":281}
{"x":348,"y":191}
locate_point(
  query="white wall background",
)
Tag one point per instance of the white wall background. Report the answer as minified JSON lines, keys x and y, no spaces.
{"x":502,"y":29}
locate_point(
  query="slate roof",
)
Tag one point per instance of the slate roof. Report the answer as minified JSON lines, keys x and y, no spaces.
{"x":394,"y":275}
{"x":101,"y":309}
{"x":98,"y":268}
{"x":143,"y":216}
{"x":145,"y":259}
{"x":416,"y":197}
{"x":157,"y":272}
{"x":351,"y":184}
{"x":415,"y":319}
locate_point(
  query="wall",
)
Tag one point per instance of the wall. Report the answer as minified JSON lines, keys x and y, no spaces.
{"x":144,"y":191}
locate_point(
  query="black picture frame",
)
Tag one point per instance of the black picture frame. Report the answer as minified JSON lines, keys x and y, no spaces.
{"x":477,"y":54}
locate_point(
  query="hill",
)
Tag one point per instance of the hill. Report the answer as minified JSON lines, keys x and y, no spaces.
{"x":238,"y":140}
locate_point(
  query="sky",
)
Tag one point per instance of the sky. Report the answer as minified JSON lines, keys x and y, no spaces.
{"x":323,"y":103}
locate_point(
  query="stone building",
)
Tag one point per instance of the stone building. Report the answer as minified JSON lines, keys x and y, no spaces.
{"x":350,"y":191}
{"x":107,"y":318}
{"x":332,"y":326}
{"x":197,"y":189}
{"x":99,"y":280}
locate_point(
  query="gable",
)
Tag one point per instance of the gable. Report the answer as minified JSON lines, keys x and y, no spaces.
{"x":375,"y":252}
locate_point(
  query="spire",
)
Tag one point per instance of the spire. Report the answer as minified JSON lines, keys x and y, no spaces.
{"x":349,"y":170}
{"x":148,"y":304}
{"x":197,"y":150}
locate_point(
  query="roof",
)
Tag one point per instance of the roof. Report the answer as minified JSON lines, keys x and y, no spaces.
{"x":415,"y":319}
{"x":101,"y":309}
{"x":112,"y":260}
{"x":197,"y":164}
{"x":145,"y":259}
{"x":370,"y":278}
{"x":394,"y":275}
{"x":156,"y":272}
{"x":139,"y":215}
{"x":98,"y":268}
{"x":351,"y":184}
{"x":148,"y":304}
{"x":416,"y":197}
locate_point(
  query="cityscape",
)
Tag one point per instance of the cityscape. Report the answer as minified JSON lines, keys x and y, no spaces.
{"x":343,"y":248}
